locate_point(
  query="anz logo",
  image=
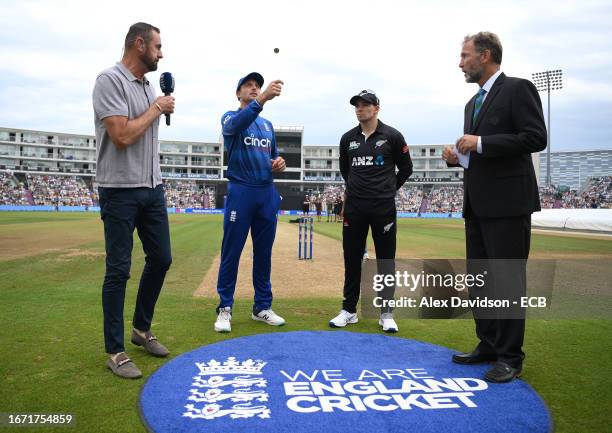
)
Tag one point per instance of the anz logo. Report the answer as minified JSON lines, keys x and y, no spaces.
{"x":368,"y":160}
{"x":362,"y":161}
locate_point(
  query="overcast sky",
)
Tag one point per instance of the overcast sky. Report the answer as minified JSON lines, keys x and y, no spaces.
{"x":407,"y":51}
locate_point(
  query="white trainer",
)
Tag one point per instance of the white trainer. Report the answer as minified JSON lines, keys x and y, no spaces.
{"x":343,"y":319}
{"x":224,"y":320}
{"x":269,"y":317}
{"x":387,"y":322}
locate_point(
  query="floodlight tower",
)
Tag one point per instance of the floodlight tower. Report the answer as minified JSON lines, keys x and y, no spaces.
{"x":545,"y":82}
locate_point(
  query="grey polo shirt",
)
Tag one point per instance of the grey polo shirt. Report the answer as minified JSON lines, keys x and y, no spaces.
{"x":118,"y":93}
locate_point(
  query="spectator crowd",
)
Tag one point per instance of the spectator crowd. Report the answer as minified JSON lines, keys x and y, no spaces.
{"x":12,"y":192}
{"x":438,"y":199}
{"x":59,"y":190}
{"x":409,"y":198}
{"x":73,"y":191}
{"x":188,"y":194}
{"x":596,"y":194}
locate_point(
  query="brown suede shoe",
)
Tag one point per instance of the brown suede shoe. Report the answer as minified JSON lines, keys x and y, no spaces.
{"x":150,"y":344}
{"x":123,"y":366}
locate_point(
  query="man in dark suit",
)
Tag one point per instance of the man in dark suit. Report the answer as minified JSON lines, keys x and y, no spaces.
{"x":503,"y":126}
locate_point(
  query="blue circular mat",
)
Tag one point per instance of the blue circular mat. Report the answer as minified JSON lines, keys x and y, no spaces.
{"x":324,"y":381}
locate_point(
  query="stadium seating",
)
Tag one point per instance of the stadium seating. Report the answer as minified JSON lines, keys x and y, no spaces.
{"x":12,"y":192}
{"x":59,"y":190}
{"x":330,"y":194}
{"x":597,"y":193}
{"x":445,"y":199}
{"x":409,"y":199}
{"x":73,"y":191}
{"x":188,"y":194}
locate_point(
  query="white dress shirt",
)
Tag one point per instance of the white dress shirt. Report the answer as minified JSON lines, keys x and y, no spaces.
{"x":487,"y":87}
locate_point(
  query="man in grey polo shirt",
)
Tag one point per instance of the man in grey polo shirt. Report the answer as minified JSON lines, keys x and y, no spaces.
{"x":131,"y":191}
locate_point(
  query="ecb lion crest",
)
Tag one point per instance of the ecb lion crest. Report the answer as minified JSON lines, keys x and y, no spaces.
{"x":231,"y":383}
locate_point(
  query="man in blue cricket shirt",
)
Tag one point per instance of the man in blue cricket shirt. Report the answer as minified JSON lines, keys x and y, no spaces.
{"x":252,"y":201}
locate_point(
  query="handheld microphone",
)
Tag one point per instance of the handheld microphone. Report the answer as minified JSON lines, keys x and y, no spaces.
{"x":166,"y":82}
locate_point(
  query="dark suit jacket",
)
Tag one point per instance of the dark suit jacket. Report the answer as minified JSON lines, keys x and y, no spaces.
{"x":501,"y":181}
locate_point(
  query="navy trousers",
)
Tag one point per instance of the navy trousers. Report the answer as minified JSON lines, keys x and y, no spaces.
{"x":122,"y":210}
{"x":247,"y":208}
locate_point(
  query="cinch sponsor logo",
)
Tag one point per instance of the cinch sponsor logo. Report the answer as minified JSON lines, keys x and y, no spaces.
{"x":257,"y":142}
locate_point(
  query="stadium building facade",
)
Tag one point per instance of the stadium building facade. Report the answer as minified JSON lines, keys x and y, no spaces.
{"x":310,"y":168}
{"x":573,"y":169}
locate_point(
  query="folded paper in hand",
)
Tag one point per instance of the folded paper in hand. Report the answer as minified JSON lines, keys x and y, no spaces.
{"x":464,"y":159}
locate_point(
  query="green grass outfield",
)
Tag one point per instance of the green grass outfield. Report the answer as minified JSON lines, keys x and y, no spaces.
{"x":51,"y":320}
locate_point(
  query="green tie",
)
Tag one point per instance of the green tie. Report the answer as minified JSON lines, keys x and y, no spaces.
{"x":478,"y":104}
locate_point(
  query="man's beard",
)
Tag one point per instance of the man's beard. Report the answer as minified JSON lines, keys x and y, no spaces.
{"x":151,"y":64}
{"x":473,"y":77}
